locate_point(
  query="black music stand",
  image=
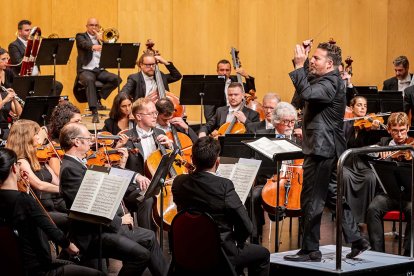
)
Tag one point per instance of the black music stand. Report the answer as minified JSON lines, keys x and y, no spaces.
{"x":158,"y":182}
{"x":32,"y":85}
{"x":119,"y":55}
{"x":39,"y":109}
{"x":202,"y":90}
{"x":54,"y":51}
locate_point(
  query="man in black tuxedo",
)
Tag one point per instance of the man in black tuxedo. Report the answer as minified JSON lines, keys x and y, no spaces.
{"x":402,"y":77}
{"x":89,"y":45}
{"x":136,"y":247}
{"x":216,"y":195}
{"x":143,"y":83}
{"x":409,"y":102}
{"x":224,"y":69}
{"x":269,"y":103}
{"x":322,"y":91}
{"x":225,"y":114}
{"x":18,"y":47}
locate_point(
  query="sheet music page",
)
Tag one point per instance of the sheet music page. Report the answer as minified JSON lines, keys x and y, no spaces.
{"x":87,"y":191}
{"x":225,"y":170}
{"x":243,"y":176}
{"x":268,"y":147}
{"x":122,"y":172}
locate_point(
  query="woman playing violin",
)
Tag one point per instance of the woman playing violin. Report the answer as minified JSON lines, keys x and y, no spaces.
{"x":24,"y":215}
{"x":120,"y":117}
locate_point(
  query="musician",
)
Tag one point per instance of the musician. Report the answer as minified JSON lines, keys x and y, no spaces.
{"x":143,"y":83}
{"x":269,"y":103}
{"x":120,"y":116}
{"x":350,"y":89}
{"x":397,"y":126}
{"x":216,"y":195}
{"x":224,"y":69}
{"x":323,"y":143}
{"x":224,"y":114}
{"x":26,"y":217}
{"x":409,"y":102}
{"x":89,"y":45}
{"x":166,"y":120}
{"x":137,"y":248}
{"x":17,"y":50}
{"x":402,"y":77}
{"x":145,"y":115}
{"x":8,"y":103}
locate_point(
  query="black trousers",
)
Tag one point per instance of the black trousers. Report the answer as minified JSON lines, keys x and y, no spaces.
{"x":70,"y":270}
{"x":87,"y":78}
{"x":255,"y":257}
{"x":318,"y":191}
{"x":143,"y":209}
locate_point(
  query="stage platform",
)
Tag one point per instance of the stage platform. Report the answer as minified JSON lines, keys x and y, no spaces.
{"x":368,"y":263}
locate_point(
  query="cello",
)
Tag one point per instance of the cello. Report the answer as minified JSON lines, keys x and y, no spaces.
{"x":182,"y":141}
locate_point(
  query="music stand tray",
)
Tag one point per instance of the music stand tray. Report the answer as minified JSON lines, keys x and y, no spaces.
{"x":122,"y":54}
{"x":212,"y":87}
{"x":39,"y":109}
{"x":54,"y":51}
{"x":33,"y":86}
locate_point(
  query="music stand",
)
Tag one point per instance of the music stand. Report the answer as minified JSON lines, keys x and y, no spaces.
{"x":119,"y":55}
{"x":202,"y":90}
{"x":39,"y":109}
{"x":158,"y":182}
{"x":391,"y":100}
{"x":32,"y":85}
{"x":54,"y":51}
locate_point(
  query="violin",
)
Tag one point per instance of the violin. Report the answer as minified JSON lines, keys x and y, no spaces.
{"x":402,"y":155}
{"x":366,"y":121}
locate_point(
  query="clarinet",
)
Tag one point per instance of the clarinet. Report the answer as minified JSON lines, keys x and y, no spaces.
{"x":18,"y":99}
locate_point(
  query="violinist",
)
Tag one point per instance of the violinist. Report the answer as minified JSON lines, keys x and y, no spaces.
{"x":28,"y":219}
{"x":224,"y":69}
{"x":143,"y":83}
{"x":398,"y":126}
{"x":120,"y":117}
{"x":269,"y":103}
{"x":235,"y":110}
{"x":135,"y":246}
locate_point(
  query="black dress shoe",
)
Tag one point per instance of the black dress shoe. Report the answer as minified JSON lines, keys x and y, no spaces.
{"x":358,"y":247}
{"x":100,"y":106}
{"x":305,"y":256}
{"x":95,"y":118}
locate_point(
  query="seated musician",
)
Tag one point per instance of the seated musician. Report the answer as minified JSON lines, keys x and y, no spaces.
{"x":89,"y":45}
{"x":120,"y":117}
{"x":145,"y":115}
{"x":269,"y":103}
{"x":8,"y":103}
{"x":216,"y":195}
{"x":17,"y":51}
{"x":166,"y":119}
{"x":398,"y":126}
{"x":26,"y":217}
{"x":226,"y":114}
{"x":24,"y":140}
{"x":137,"y":248}
{"x":224,"y":69}
{"x":143,"y":83}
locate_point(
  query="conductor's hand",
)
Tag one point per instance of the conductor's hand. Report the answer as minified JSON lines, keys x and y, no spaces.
{"x":240,"y":116}
{"x":142,"y":182}
{"x":300,"y":56}
{"x":72,"y":249}
{"x":127,"y":219}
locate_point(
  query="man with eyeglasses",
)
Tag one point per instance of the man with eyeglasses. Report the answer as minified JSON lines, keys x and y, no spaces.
{"x":143,"y":83}
{"x":17,"y":50}
{"x":89,"y":45}
{"x":397,"y":126}
{"x":269,"y":103}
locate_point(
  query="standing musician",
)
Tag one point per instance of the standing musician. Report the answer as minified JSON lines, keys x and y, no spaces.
{"x":235,"y":110}
{"x":224,"y":69}
{"x":26,"y":217}
{"x":269,"y":103}
{"x":17,"y":50}
{"x":8,"y":103}
{"x":143,"y":83}
{"x":216,"y":195}
{"x":322,"y":92}
{"x":145,"y":115}
{"x":397,"y":126}
{"x":137,"y":248}
{"x":120,"y":116}
{"x":89,"y":45}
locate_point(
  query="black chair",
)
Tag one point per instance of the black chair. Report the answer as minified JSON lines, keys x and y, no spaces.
{"x":79,"y":90}
{"x":10,"y":253}
{"x":195,"y":246}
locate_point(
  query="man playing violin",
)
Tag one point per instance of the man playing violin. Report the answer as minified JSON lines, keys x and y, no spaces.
{"x":398,"y":126}
{"x":235,"y":110}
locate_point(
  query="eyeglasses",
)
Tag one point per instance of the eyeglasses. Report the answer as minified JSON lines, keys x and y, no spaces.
{"x":288,"y":122}
{"x":149,"y":65}
{"x":93,"y":25}
{"x":154,"y":114}
{"x":268,"y":107}
{"x":397,"y":131}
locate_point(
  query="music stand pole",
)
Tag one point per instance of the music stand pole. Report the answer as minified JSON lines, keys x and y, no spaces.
{"x":162,"y":182}
{"x":119,"y":73}
{"x":54,"y":73}
{"x":202,"y":108}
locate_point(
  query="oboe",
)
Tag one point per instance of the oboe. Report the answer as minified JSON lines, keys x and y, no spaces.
{"x":18,"y":99}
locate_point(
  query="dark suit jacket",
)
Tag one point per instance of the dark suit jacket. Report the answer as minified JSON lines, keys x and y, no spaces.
{"x":112,"y":126}
{"x":135,"y":85}
{"x":215,"y":195}
{"x":84,"y":46}
{"x":16,"y":52}
{"x":409,"y":102}
{"x":391,"y":83}
{"x":324,"y":110}
{"x":71,"y":176}
{"x":220,"y":118}
{"x":258,"y":127}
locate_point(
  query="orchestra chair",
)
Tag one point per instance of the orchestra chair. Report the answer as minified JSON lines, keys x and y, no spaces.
{"x":195,"y":246}
{"x":394,"y":216}
{"x":79,"y":90}
{"x":10,"y":253}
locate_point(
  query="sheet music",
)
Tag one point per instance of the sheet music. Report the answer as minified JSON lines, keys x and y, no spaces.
{"x":87,"y":191}
{"x":225,"y":170}
{"x":243,"y":175}
{"x":269,"y":147}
